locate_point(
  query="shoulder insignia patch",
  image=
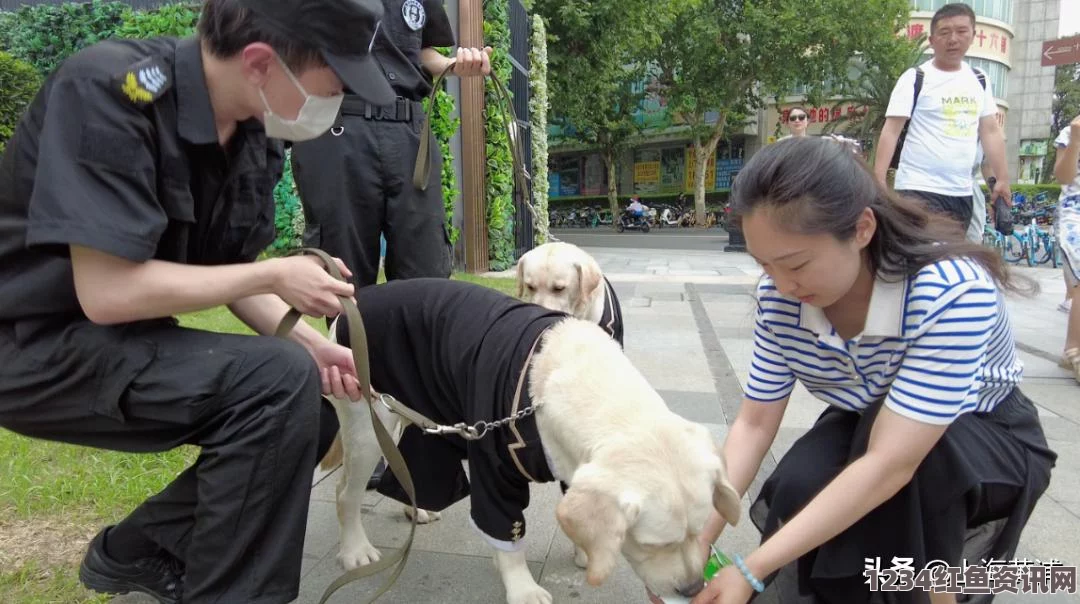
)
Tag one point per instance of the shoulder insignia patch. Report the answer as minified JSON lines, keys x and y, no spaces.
{"x":145,"y":81}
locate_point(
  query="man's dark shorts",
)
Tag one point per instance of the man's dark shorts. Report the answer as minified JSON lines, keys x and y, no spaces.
{"x":960,"y":209}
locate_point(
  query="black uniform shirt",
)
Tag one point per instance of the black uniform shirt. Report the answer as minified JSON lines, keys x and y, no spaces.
{"x":456,"y":351}
{"x":407,"y":27}
{"x":119,"y":152}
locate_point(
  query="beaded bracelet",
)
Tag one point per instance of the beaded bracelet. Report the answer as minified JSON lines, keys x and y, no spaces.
{"x":754,"y":582}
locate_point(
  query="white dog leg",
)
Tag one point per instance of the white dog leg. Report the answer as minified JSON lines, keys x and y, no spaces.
{"x":581,"y":559}
{"x":521,"y":587}
{"x":422,"y":516}
{"x":361,"y":454}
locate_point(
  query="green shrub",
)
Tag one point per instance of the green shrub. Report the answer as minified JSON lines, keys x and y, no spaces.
{"x":498,"y":179}
{"x":44,"y":35}
{"x":20,"y":83}
{"x":1053,"y":191}
{"x":177,"y":20}
{"x":288,"y":213}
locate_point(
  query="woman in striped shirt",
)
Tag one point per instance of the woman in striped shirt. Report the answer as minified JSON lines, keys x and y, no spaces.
{"x":882,"y":312}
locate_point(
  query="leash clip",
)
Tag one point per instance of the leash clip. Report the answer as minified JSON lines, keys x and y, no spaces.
{"x":464,"y":430}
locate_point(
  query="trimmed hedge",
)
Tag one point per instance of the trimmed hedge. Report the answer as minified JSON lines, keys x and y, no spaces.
{"x":19,"y":83}
{"x":44,"y":35}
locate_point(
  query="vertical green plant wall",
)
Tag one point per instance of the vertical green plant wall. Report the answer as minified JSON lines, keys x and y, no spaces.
{"x":499,"y":171}
{"x":443,"y":126}
{"x":538,"y":110}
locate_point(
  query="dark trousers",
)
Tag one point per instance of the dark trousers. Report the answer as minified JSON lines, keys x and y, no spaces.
{"x":987,"y":471}
{"x":355,"y":183}
{"x":237,"y":517}
{"x":960,"y":209}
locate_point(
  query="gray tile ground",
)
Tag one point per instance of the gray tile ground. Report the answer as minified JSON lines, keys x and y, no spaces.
{"x":672,"y":301}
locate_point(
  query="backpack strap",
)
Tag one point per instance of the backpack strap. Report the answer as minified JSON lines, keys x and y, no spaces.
{"x":919,"y":75}
{"x":980,"y":76}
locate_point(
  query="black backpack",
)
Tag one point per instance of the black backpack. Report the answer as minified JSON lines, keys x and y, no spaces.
{"x":895,"y":163}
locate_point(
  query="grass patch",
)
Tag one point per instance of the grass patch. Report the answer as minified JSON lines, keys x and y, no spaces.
{"x":54,"y":497}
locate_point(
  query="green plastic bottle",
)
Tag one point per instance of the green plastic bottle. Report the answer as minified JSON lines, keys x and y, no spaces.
{"x":713,"y":565}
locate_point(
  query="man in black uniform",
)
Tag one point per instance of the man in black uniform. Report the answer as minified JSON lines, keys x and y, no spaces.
{"x":356,"y":181}
{"x":138,"y":186}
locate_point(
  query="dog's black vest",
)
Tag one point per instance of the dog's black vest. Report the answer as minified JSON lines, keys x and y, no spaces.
{"x":457,"y":352}
{"x":611,"y":321}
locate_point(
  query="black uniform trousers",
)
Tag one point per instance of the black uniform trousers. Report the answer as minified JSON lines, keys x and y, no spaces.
{"x":355,"y":182}
{"x":237,"y":517}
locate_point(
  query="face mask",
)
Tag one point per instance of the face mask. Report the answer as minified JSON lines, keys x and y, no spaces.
{"x":316,"y":116}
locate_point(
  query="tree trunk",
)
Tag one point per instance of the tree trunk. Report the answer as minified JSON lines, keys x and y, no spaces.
{"x":701,"y":155}
{"x":612,"y":186}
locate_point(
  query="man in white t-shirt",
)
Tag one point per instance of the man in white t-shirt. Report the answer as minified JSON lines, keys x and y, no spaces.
{"x":951,"y":116}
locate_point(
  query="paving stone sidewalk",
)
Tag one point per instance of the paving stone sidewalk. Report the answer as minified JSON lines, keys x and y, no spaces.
{"x":689,"y":318}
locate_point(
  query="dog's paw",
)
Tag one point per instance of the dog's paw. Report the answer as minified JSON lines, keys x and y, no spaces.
{"x":581,"y":559}
{"x":422,"y":516}
{"x":529,"y":594}
{"x":357,"y":556}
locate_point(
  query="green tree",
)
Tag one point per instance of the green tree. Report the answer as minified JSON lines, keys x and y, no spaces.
{"x":730,"y":56}
{"x":876,"y":72}
{"x":1066,"y":106}
{"x":597,"y":51}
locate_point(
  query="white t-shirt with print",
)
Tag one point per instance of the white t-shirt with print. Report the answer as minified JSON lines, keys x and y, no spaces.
{"x":1061,"y":142}
{"x":943,"y":136}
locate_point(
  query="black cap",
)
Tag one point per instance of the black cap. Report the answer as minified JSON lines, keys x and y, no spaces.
{"x":344,"y":30}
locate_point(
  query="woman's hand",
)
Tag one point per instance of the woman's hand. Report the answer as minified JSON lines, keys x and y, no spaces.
{"x":337,"y":369}
{"x":729,"y":586}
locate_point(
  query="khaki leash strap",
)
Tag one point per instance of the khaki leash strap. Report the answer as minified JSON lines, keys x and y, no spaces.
{"x":358,"y":343}
{"x":422,"y":169}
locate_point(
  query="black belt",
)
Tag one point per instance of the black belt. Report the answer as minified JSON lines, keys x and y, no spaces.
{"x":400,"y":111}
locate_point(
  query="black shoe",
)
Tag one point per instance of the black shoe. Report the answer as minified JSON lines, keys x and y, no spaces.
{"x":376,"y":476}
{"x":159,"y":576}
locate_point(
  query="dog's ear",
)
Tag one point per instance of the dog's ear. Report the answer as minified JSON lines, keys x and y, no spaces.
{"x":725,"y":498}
{"x":588,"y":280}
{"x":597,"y":521}
{"x":521,"y":276}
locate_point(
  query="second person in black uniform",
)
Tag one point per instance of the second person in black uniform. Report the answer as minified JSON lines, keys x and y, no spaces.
{"x":355,"y":182}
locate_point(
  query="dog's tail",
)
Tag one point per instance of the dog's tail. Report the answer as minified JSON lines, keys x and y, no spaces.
{"x":334,"y":456}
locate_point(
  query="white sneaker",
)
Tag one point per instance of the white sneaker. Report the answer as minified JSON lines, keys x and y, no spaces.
{"x":1065,"y":306}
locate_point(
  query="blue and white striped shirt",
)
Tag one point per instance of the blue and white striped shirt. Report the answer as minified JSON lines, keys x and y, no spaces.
{"x":935,"y":345}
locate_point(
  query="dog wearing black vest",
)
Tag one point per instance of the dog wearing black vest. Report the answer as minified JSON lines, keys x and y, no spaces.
{"x":642,"y":479}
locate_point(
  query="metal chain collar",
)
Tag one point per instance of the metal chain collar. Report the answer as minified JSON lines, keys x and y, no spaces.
{"x":468,"y":432}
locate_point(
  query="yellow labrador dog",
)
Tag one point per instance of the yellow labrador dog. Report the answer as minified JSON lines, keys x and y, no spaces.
{"x":642,"y":479}
{"x":561,"y":276}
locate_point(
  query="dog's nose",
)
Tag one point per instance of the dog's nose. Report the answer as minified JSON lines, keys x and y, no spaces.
{"x":691,"y":590}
